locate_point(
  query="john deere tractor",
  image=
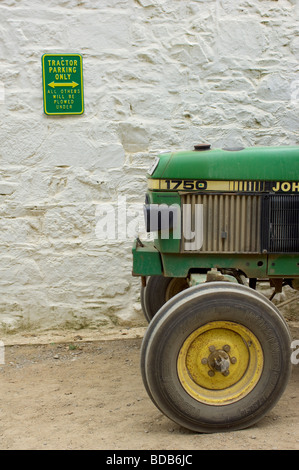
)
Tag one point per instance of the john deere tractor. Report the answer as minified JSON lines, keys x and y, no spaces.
{"x":216,"y":354}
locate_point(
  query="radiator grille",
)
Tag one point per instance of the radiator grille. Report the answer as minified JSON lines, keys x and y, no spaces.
{"x":215,"y":223}
{"x":281,"y":223}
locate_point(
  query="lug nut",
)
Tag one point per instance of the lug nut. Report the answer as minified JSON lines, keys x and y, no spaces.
{"x":211,"y":373}
{"x":226,"y":348}
{"x":212,"y":348}
{"x":233,"y":360}
{"x":204,"y":360}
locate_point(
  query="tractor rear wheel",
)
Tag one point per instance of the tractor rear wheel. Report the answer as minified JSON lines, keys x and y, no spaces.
{"x":158,"y":290}
{"x":216,"y":357}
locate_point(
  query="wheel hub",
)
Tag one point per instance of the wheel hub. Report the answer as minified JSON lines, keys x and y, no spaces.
{"x":219,"y":360}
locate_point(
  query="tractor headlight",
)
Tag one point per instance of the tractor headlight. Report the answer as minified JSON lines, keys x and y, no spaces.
{"x":161,"y":217}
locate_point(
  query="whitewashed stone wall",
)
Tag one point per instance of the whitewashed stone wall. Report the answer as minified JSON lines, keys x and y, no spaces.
{"x":158,"y":74}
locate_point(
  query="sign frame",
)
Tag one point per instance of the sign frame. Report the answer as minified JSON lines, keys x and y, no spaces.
{"x":63,"y":92}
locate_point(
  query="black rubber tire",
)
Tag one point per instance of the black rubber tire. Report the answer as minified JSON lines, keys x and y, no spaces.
{"x":157,"y":291}
{"x":183,"y":314}
{"x":142,"y":301}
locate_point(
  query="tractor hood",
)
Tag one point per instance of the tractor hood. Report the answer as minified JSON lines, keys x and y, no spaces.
{"x":254,"y":163}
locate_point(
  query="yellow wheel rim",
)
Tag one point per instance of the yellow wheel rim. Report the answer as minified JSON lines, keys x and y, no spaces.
{"x":220,"y":363}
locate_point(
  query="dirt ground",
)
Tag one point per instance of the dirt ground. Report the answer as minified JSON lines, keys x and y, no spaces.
{"x":83,"y":390}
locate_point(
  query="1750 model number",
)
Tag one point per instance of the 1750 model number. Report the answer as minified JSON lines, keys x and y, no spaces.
{"x":187,"y":185}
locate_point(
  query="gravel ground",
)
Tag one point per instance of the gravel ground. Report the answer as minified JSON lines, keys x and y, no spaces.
{"x":70,"y":390}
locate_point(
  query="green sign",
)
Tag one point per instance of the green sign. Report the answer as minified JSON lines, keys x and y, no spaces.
{"x":63,"y":83}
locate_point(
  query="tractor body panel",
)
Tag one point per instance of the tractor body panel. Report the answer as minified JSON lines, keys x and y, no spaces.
{"x":253,"y":163}
{"x":230,"y":209}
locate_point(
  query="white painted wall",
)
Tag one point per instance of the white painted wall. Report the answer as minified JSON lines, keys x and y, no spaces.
{"x":158,"y":74}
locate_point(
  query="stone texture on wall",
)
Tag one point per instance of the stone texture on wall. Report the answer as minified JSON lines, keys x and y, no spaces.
{"x":158,"y":74}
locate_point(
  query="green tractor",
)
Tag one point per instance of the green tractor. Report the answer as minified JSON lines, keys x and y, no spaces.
{"x":216,"y":354}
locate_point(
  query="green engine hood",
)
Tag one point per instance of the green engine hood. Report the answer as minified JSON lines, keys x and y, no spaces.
{"x":254,"y":163}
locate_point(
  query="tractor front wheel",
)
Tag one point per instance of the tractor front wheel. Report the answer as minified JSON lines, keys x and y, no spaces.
{"x":216,"y":357}
{"x":157,"y":291}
